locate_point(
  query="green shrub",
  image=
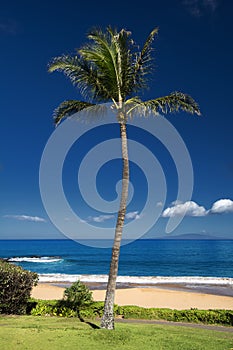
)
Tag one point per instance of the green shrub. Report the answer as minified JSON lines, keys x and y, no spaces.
{"x":224,"y":317}
{"x":78,"y":296}
{"x":62,"y":309}
{"x":52,"y":308}
{"x":15,"y":288}
{"x":95,"y":309}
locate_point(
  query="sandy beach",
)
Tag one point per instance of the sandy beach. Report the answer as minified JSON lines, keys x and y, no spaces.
{"x":147,"y":297}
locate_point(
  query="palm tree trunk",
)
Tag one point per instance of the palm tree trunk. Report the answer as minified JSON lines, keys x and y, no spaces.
{"x":108,"y":316}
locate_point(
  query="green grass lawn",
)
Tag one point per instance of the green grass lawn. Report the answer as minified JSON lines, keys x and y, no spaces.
{"x":40,"y":333}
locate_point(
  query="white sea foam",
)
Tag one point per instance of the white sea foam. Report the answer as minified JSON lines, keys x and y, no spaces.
{"x":43,"y":259}
{"x":141,"y":280}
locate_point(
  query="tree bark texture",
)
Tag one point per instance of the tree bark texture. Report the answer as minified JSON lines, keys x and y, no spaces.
{"x":108,"y":316}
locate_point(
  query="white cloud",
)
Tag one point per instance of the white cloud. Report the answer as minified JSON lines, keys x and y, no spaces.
{"x":176,"y":202}
{"x":25,"y":218}
{"x":193,"y":7}
{"x":199,"y":7}
{"x":100,"y":218}
{"x":222,"y":206}
{"x":133,"y":215}
{"x":211,"y":4}
{"x":188,"y":208}
{"x":159,"y":204}
{"x":82,"y":221}
{"x":9,"y":27}
{"x":191,"y":208}
{"x":79,"y":220}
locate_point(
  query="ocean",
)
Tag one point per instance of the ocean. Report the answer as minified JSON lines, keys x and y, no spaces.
{"x":190,"y":263}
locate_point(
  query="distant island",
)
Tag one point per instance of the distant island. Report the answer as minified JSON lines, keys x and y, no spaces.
{"x":197,"y":236}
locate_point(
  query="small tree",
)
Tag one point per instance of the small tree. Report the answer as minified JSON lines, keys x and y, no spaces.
{"x":78,"y":296}
{"x":15,"y":288}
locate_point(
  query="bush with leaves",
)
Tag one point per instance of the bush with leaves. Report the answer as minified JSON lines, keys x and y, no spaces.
{"x":224,"y":317}
{"x":51,"y":308}
{"x":78,"y":296}
{"x":15,"y":288}
{"x":95,"y":310}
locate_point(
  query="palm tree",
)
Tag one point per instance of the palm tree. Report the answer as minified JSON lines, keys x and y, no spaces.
{"x":111,"y":68}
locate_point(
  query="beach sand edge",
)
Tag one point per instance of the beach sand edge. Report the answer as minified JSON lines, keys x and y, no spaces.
{"x":146,"y":297}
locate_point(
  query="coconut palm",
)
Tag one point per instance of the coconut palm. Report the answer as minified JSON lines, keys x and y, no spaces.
{"x":111,"y":68}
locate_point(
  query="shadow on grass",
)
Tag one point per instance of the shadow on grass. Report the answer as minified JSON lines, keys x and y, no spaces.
{"x":59,"y":306}
{"x":92,"y":325}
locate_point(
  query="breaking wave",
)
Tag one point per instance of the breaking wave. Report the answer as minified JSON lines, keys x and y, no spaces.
{"x":35,"y":259}
{"x":140,"y":280}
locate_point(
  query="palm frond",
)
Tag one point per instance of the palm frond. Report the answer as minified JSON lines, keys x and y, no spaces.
{"x":81,"y":73}
{"x":69,"y":66}
{"x":65,"y":64}
{"x":111,"y":55}
{"x":91,"y":82}
{"x":124,"y":60}
{"x":102,"y":54}
{"x":142,"y":65}
{"x":67,"y":108}
{"x":131,"y":104}
{"x":174,"y":102}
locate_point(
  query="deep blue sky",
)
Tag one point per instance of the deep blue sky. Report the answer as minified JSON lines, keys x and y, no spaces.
{"x":193,"y":53}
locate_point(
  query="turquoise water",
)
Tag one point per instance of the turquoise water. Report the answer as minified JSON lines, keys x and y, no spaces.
{"x":143,"y":261}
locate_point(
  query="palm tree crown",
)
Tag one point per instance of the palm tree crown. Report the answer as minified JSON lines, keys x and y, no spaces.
{"x":110,"y":68}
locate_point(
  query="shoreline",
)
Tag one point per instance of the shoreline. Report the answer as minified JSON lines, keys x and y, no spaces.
{"x":145,"y":296}
{"x":221,"y":290}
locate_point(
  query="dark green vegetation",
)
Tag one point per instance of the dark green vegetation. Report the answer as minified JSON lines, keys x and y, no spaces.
{"x":78,"y":296}
{"x":111,"y":68}
{"x":15,"y":288}
{"x":39,"y":333}
{"x":95,"y":310}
